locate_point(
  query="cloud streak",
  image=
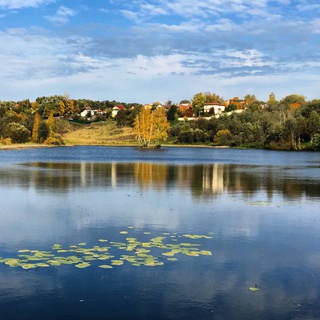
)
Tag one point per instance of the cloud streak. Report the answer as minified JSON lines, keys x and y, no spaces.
{"x":19,"y":4}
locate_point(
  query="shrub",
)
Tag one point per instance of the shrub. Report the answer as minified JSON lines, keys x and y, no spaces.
{"x":55,"y":140}
{"x":5,"y":141}
{"x":17,"y":132}
{"x":315,"y":143}
{"x":223,"y":137}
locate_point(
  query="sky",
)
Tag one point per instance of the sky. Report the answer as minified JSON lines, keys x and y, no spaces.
{"x":157,"y":50}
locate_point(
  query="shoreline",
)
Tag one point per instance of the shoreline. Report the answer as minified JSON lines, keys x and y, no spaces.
{"x":20,"y":146}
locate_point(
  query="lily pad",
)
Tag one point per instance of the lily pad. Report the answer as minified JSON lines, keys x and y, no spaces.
{"x":117,"y":262}
{"x":254,"y":289}
{"x":83,"y":265}
{"x":105,"y":266}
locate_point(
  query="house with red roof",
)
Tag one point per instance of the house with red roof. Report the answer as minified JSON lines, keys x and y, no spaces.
{"x":116,"y":109}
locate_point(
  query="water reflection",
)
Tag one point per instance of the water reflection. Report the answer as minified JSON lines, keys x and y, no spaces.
{"x":205,"y":180}
{"x":277,"y":247}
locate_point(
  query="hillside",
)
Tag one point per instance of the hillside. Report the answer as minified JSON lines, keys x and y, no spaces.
{"x":96,"y":133}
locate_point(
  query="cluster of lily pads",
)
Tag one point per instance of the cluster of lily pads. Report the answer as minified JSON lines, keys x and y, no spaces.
{"x":151,"y":253}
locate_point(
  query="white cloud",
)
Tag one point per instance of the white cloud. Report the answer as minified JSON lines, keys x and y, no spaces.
{"x":62,"y":15}
{"x":18,"y":4}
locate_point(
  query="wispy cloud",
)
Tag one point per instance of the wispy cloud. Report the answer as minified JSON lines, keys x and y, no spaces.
{"x":62,"y":15}
{"x":19,"y":4}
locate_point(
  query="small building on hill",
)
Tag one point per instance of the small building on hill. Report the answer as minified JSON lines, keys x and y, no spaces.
{"x":116,"y":109}
{"x":213,"y":108}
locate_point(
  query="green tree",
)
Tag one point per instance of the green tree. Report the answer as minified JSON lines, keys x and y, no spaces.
{"x":223,"y":137}
{"x":272,"y":102}
{"x":315,"y":144}
{"x":43,"y":132}
{"x":198,"y":102}
{"x":250,"y":98}
{"x":313,"y":124}
{"x":17,"y":132}
{"x":172,"y":113}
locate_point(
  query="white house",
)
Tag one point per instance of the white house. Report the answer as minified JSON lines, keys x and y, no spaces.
{"x":116,"y":109}
{"x":90,"y":113}
{"x":217,"y":108}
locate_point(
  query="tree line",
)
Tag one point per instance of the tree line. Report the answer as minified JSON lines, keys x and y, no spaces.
{"x":293,"y":123}
{"x":290,"y":124}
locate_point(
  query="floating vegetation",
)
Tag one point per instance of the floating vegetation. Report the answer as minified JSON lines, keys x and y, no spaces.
{"x":82,"y":265}
{"x":254,"y":289}
{"x":196,"y":236}
{"x":149,"y":253}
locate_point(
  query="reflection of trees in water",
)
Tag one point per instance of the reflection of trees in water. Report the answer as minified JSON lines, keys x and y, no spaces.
{"x":149,"y":174}
{"x":202,"y":180}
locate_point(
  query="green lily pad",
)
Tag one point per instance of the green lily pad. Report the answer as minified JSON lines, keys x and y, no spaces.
{"x":83,"y":265}
{"x":105,"y":266}
{"x":117,"y":262}
{"x":28,"y":266}
{"x":56,"y":246}
{"x":206,"y":253}
{"x":254,"y":289}
{"x":42,"y":265}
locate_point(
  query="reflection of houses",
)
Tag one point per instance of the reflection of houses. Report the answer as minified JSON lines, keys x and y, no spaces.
{"x":213,"y":180}
{"x":116,"y":109}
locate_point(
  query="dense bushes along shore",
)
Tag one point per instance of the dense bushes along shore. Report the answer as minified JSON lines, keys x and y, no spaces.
{"x":272,"y":128}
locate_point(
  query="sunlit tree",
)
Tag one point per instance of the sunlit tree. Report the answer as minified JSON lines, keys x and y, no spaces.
{"x":51,"y":122}
{"x":35,"y":129}
{"x":151,"y":126}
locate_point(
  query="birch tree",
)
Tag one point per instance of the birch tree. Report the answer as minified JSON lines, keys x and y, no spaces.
{"x":151,"y":127}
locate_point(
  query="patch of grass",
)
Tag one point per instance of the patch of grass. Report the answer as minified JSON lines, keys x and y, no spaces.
{"x":96,"y":133}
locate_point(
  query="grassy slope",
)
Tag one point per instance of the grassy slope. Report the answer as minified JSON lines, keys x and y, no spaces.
{"x":99,"y":133}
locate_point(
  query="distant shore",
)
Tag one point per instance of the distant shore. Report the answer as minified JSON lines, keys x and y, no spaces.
{"x":23,"y":146}
{"x":33,"y":146}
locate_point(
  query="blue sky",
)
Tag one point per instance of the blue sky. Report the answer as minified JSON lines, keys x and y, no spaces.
{"x":155,"y":50}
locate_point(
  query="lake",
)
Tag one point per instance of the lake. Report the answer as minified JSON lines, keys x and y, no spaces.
{"x":176,"y":233}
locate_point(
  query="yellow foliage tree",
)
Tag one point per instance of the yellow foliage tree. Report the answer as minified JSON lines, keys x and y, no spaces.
{"x":35,"y":129}
{"x":151,"y":126}
{"x":161,"y":125}
{"x":51,"y":122}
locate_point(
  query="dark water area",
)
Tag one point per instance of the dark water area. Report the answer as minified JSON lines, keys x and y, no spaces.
{"x":176,"y":233}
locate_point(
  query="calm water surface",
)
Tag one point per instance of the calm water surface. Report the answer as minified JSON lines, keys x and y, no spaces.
{"x":259,"y":211}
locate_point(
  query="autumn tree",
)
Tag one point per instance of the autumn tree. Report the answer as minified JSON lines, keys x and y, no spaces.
{"x":35,"y":129}
{"x":51,"y":122}
{"x":151,"y":126}
{"x":160,"y":125}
